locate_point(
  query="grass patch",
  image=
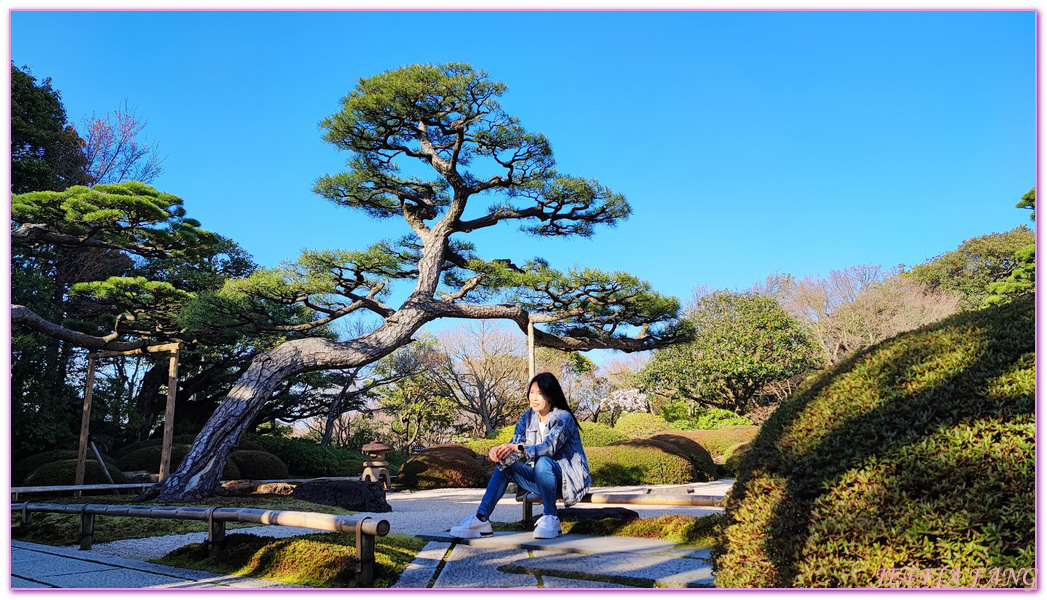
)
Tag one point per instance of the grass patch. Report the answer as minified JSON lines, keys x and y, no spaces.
{"x":685,"y":530}
{"x":322,"y":560}
{"x":61,"y":530}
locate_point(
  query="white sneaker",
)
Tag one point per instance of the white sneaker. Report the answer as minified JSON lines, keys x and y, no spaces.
{"x":471,"y":527}
{"x":547,"y":527}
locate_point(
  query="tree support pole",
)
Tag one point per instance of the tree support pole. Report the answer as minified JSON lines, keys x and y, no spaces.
{"x":85,"y":424}
{"x":172,"y":389}
{"x":530,"y":349}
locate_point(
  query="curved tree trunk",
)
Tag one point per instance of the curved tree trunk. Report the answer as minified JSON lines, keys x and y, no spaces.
{"x":200,"y":472}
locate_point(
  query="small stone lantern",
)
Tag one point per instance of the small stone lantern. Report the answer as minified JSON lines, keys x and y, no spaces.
{"x":375,"y":465}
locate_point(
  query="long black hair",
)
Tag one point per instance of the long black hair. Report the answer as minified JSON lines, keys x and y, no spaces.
{"x":550,"y":388}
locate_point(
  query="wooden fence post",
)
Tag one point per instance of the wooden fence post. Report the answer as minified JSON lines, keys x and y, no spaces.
{"x":172,"y":389}
{"x":85,"y":424}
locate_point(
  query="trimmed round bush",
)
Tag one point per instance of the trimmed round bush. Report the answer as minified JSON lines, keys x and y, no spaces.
{"x":732,"y":458}
{"x":452,"y":448}
{"x":637,"y":463}
{"x":147,"y":458}
{"x":185,"y":438}
{"x":304,"y":458}
{"x":258,"y":464}
{"x":638,"y":425}
{"x":24,"y":467}
{"x":718,"y":441}
{"x":63,"y":472}
{"x":445,"y":467}
{"x":595,"y":435}
{"x":704,"y":467}
{"x":917,"y":453}
{"x":482,"y":446}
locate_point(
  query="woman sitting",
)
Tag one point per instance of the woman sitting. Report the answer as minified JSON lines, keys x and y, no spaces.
{"x":545,"y":457}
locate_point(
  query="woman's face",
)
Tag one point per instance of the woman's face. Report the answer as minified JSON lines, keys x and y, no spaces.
{"x":538,"y":402}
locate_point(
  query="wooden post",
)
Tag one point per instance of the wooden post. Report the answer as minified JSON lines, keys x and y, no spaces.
{"x":85,"y":424}
{"x":172,"y":388}
{"x":530,"y":349}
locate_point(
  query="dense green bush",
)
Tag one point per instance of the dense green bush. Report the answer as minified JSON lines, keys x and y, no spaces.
{"x":704,"y":467}
{"x":916,"y":453}
{"x":186,"y":438}
{"x":637,"y":462}
{"x":595,"y":435}
{"x":714,"y":418}
{"x":305,"y":458}
{"x":63,"y":472}
{"x":147,"y":458}
{"x":717,"y":441}
{"x":450,"y":466}
{"x":732,"y":458}
{"x":483,"y":446}
{"x":258,"y":464}
{"x":637,"y":424}
{"x":24,"y":467}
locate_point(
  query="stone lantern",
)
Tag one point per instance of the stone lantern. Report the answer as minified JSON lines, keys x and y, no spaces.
{"x":375,"y":465}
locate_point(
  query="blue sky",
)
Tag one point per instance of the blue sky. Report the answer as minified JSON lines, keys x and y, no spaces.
{"x":746,"y":142}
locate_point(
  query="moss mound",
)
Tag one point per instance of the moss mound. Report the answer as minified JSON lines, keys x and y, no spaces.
{"x":637,"y":425}
{"x":916,"y":453}
{"x":258,"y":464}
{"x":445,"y":466}
{"x":639,"y":462}
{"x":704,"y":467}
{"x":63,"y":472}
{"x":718,"y":441}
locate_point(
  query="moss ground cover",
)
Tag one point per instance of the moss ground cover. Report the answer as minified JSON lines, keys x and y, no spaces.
{"x":323,"y":560}
{"x":916,"y":453}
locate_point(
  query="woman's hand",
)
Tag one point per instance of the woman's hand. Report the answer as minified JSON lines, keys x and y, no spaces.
{"x":500,"y":452}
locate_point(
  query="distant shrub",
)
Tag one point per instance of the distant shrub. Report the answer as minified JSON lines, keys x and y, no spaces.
{"x":483,"y":446}
{"x":704,"y":467}
{"x":63,"y":472}
{"x":185,"y":438}
{"x":637,"y":424}
{"x":147,"y":458}
{"x":258,"y":464}
{"x":638,"y":462}
{"x":305,"y":458}
{"x":717,"y":441}
{"x":445,"y":467}
{"x":918,"y":452}
{"x":761,"y":414}
{"x":595,"y":435}
{"x":733,"y":456}
{"x":714,"y":418}
{"x":24,"y":467}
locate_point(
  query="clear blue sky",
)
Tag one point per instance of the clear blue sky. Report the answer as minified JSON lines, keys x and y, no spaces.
{"x":746,"y":142}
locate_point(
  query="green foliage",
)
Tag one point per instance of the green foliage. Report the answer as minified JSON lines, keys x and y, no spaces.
{"x":704,"y":467}
{"x":322,"y":560}
{"x":637,"y":424}
{"x":732,"y":458}
{"x":258,"y":464}
{"x":595,"y":435}
{"x":713,"y":418}
{"x":742,"y":342}
{"x":1029,"y":201}
{"x":182,"y":439}
{"x":718,"y":441}
{"x":638,"y":462}
{"x":975,"y":265}
{"x":680,"y":529}
{"x":63,"y":472}
{"x":147,"y":458}
{"x":46,"y":152}
{"x":916,"y":453}
{"x":1021,"y":281}
{"x":445,"y":466}
{"x":306,"y":458}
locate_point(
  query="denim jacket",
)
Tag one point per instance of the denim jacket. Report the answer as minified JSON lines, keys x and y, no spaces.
{"x":563,"y":444}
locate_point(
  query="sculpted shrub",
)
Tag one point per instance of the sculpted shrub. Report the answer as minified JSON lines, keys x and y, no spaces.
{"x":718,"y":441}
{"x":595,"y":435}
{"x":637,"y":424}
{"x":632,"y":463}
{"x":258,"y":464}
{"x":450,"y":466}
{"x":63,"y":472}
{"x":704,"y":467}
{"x":917,"y":453}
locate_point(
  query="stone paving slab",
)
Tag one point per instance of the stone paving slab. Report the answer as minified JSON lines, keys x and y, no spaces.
{"x":628,"y":568}
{"x":572,"y":542}
{"x":421,"y":571}
{"x":472,"y":567}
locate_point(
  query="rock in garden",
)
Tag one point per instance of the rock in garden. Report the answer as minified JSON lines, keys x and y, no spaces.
{"x":363,"y":496}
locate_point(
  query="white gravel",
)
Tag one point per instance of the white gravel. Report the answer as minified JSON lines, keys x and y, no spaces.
{"x":413,"y":513}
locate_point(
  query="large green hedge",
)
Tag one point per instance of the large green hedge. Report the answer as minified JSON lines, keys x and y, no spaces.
{"x":24,"y":467}
{"x":637,"y":424}
{"x":63,"y":472}
{"x":917,"y":453}
{"x":638,"y":462}
{"x":718,"y":441}
{"x":305,"y":458}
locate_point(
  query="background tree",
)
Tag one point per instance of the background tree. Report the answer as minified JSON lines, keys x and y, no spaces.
{"x":742,"y":342}
{"x":447,"y":122}
{"x":46,"y":152}
{"x":117,"y":150}
{"x":1022,"y":279}
{"x":975,"y":265}
{"x":484,"y":372}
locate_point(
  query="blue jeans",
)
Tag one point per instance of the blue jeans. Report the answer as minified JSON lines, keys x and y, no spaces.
{"x":542,"y":479}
